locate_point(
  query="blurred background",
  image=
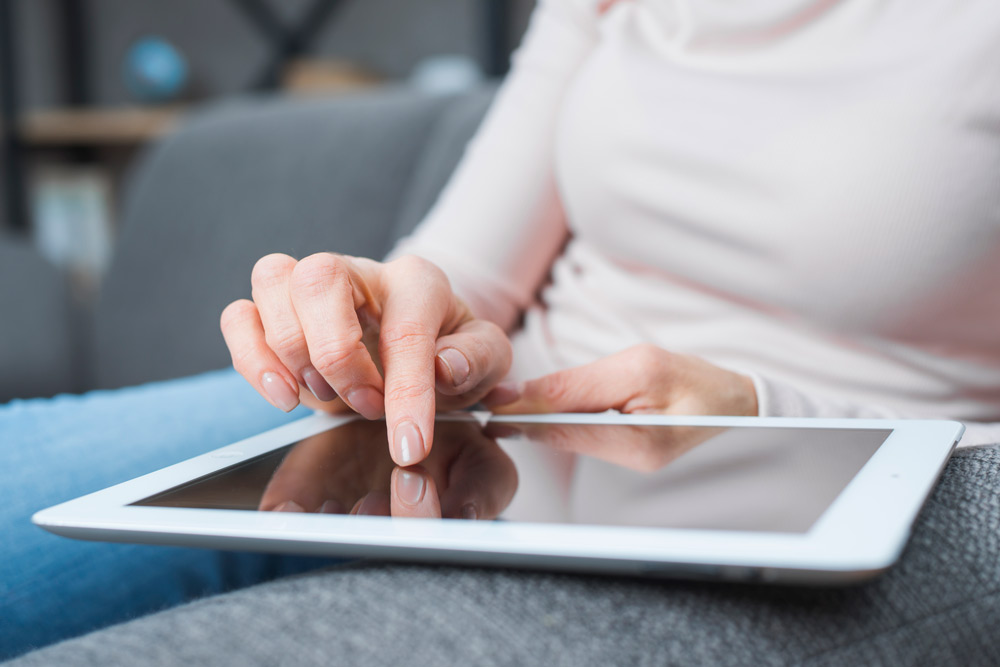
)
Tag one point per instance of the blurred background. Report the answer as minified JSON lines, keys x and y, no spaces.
{"x":89,"y":88}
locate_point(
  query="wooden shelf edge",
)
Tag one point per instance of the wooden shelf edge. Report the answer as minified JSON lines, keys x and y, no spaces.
{"x":124,"y":126}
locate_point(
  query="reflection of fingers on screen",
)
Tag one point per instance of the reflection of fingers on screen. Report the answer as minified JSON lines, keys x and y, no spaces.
{"x":651,"y":448}
{"x":414,"y":494}
{"x":481,"y":483}
{"x":496,"y":430}
{"x":375,"y":503}
{"x":332,"y":506}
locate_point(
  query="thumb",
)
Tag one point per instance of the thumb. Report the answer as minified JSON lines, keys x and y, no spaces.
{"x":606,"y":384}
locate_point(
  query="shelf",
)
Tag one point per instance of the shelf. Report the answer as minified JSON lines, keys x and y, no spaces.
{"x":126,"y":126}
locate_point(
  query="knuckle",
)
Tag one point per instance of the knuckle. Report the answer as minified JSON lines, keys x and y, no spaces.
{"x":409,"y":389}
{"x":503,"y":349}
{"x":285,"y":342}
{"x":317,"y":273}
{"x":414,"y":265}
{"x":333,"y":356}
{"x":406,"y":338}
{"x":271,"y":270}
{"x":491,"y":331}
{"x":235,"y":313}
{"x":490,"y":353}
{"x":645,"y":352}
{"x":646,"y":359}
{"x":556,"y":387}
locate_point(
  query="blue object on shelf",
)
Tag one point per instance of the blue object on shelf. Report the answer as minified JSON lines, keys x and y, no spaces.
{"x":155,"y":71}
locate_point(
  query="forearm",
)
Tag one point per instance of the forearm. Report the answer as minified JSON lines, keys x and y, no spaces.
{"x":498,"y":224}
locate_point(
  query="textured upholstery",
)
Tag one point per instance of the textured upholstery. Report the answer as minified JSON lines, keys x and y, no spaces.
{"x":36,"y":325}
{"x":238,"y":182}
{"x":939,"y":606}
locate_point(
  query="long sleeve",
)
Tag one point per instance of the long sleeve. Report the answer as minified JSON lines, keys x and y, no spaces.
{"x":703,"y":166}
{"x":498,"y":224}
{"x":777,"y":399}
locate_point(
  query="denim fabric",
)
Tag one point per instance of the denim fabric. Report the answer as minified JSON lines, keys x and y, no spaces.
{"x":53,"y":450}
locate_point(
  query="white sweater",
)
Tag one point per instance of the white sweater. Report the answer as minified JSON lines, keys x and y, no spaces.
{"x":806,"y":191}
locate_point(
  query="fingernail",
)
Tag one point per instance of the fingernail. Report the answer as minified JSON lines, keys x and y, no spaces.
{"x":332,"y":507}
{"x":456,"y":363}
{"x":279,"y":392}
{"x":319,"y":387}
{"x":502,"y":394}
{"x":410,"y":486}
{"x":408,"y":444}
{"x":367,"y":401}
{"x":288,"y":506}
{"x":469,"y":512}
{"x":367,"y":506}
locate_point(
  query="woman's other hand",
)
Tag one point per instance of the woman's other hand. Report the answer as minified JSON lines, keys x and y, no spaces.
{"x":327,"y":329}
{"x":643,"y":379}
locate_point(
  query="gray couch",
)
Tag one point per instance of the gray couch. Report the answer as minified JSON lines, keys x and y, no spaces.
{"x":269,"y":175}
{"x":240,"y":180}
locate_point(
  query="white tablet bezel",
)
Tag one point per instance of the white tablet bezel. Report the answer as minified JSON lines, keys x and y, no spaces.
{"x":861,"y":534}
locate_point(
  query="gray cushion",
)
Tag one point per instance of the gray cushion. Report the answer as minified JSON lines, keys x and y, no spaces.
{"x":237,"y":182}
{"x":939,"y":606}
{"x":36,"y":325}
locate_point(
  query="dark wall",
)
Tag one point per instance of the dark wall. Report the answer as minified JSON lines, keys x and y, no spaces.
{"x":226,"y":52}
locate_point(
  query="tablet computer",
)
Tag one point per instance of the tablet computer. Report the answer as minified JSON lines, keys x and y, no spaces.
{"x":756,"y":499}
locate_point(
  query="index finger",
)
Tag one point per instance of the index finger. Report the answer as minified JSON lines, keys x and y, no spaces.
{"x":417,"y":304}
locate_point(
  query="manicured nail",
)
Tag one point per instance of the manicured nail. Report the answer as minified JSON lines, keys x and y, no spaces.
{"x":283,"y":396}
{"x":469,"y":512}
{"x":410,"y":486}
{"x":288,"y":506}
{"x":371,"y":505}
{"x":332,"y":507}
{"x":457,"y":365}
{"x":502,"y":394}
{"x":408,"y":443}
{"x":367,"y":401}
{"x":319,"y":387}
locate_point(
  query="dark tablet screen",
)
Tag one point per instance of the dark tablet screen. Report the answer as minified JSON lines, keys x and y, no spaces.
{"x":692,"y":477}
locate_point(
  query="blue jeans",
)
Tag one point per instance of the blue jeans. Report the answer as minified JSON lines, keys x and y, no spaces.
{"x":52,"y":588}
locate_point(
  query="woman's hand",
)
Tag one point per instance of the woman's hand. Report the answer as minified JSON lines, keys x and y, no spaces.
{"x":334,"y":324}
{"x":643,"y":379}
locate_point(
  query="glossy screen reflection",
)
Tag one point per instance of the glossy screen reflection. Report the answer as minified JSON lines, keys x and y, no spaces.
{"x":694,"y":477}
